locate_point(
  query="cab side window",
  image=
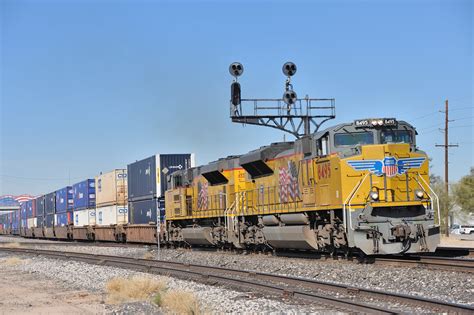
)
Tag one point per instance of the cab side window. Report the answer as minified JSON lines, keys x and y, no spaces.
{"x":323,"y":145}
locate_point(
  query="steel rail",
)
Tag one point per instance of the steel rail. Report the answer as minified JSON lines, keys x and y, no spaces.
{"x":430,"y":262}
{"x":441,"y":263}
{"x":269,"y":283}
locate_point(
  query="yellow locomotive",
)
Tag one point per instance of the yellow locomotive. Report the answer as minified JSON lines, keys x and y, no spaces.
{"x":360,"y":186}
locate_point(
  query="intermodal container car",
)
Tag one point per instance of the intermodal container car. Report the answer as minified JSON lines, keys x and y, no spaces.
{"x":50,"y":203}
{"x":147,"y":177}
{"x":84,"y":195}
{"x":111,"y":188}
{"x":64,"y":199}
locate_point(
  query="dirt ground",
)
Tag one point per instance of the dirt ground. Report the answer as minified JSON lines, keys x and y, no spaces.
{"x":21,"y":293}
{"x":458,"y":240}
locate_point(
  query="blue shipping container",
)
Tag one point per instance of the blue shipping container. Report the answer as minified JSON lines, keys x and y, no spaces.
{"x":49,"y":220}
{"x":142,"y":212}
{"x":84,"y":194}
{"x":50,"y":203}
{"x":64,"y":219}
{"x":39,"y":206}
{"x":40,"y":221}
{"x":147,"y":178}
{"x":23,"y":210}
{"x":16,"y":220}
{"x":64,"y":199}
{"x":31,"y":208}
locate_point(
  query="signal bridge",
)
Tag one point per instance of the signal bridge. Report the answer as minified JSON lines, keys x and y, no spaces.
{"x":302,"y":118}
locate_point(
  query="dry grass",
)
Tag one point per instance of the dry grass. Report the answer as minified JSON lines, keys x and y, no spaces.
{"x":12,"y":261}
{"x":121,"y":290}
{"x":180,"y":302}
{"x":148,"y":255}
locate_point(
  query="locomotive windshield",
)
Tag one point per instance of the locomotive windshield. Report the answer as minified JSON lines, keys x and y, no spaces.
{"x":353,"y":138}
{"x":396,"y":136}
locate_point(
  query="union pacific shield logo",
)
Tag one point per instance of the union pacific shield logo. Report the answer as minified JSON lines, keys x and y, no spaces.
{"x":389,"y":166}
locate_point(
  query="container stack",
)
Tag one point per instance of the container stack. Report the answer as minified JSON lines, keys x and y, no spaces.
{"x":23,"y":218}
{"x":84,"y":203}
{"x":49,"y":213}
{"x":3,"y":223}
{"x":39,"y":229}
{"x":31,"y":213}
{"x":15,"y":222}
{"x":64,"y":207}
{"x":111,"y":198}
{"x":147,"y":184}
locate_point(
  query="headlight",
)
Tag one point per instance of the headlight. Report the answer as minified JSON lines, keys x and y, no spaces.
{"x":419,"y":194}
{"x":374,"y":195}
{"x":380,"y":122}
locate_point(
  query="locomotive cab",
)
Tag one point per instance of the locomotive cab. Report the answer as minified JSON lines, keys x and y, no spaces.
{"x":386,"y":198}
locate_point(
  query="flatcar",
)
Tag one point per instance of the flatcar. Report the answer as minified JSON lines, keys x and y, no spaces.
{"x":361,"y":186}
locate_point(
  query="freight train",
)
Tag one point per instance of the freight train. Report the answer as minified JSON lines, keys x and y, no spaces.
{"x":354,"y":187}
{"x":123,"y":205}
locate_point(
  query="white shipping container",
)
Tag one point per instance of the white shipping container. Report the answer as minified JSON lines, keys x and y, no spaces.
{"x":112,"y":215}
{"x":84,"y":217}
{"x":30,"y":223}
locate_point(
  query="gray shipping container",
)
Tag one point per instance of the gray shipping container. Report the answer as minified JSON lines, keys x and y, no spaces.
{"x":142,"y":212}
{"x":147,"y":178}
{"x":50,"y":203}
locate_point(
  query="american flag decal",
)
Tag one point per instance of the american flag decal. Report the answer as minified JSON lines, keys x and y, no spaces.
{"x":202,"y":196}
{"x":288,"y":180}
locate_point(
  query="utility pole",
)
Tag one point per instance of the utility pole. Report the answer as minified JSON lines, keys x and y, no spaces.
{"x":446,"y":146}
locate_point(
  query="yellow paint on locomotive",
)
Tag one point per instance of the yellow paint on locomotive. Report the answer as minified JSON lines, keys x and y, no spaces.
{"x":298,"y":184}
{"x":393,"y":191}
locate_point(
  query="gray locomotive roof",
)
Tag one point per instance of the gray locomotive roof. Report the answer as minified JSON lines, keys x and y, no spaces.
{"x":266,"y":152}
{"x":352,"y":127}
{"x":221,"y":164}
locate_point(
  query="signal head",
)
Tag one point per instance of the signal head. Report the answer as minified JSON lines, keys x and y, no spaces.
{"x":236,"y":69}
{"x":289,"y":69}
{"x":290,"y":97}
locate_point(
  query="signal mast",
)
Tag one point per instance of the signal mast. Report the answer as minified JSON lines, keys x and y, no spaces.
{"x":297,"y":116}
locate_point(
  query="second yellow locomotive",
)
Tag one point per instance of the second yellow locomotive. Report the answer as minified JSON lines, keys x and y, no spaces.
{"x":360,"y":186}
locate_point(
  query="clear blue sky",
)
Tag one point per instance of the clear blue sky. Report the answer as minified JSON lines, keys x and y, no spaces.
{"x":88,"y":86}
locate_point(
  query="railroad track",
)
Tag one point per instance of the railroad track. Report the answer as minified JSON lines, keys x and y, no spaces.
{"x":430,"y":262}
{"x":440,"y":263}
{"x":308,"y":290}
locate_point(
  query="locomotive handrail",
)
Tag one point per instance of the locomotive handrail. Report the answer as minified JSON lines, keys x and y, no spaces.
{"x":431,"y":198}
{"x":348,"y":201}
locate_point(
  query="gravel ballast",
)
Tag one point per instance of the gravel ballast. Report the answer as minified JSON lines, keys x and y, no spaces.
{"x":454,"y":287}
{"x":78,"y":275}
